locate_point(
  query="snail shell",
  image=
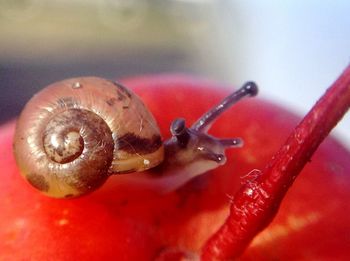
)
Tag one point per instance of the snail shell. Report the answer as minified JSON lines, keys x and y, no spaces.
{"x":74,"y":134}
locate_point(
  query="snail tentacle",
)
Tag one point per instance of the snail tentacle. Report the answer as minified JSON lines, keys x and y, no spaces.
{"x":191,"y":151}
{"x":204,"y":122}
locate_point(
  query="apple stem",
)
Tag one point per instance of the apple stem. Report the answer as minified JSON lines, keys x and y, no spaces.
{"x":257,"y":201}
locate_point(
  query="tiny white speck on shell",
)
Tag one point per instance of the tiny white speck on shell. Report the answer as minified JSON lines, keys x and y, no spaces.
{"x":77,"y":85}
{"x":146,"y":162}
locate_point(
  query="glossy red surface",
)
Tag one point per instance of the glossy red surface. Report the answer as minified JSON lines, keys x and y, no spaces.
{"x":113,"y":223}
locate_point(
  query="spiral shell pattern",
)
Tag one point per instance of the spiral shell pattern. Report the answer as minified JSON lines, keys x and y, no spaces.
{"x":74,"y":134}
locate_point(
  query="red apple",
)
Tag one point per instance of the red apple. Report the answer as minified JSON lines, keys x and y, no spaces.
{"x":111,"y":223}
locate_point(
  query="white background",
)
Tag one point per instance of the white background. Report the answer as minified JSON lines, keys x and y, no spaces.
{"x":293,"y":49}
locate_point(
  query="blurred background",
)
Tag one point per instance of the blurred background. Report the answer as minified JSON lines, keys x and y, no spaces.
{"x":293,"y":49}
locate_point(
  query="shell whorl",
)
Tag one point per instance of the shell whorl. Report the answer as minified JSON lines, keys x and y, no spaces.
{"x":74,"y":134}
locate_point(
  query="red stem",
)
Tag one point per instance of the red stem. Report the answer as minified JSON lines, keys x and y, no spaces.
{"x":256,"y":203}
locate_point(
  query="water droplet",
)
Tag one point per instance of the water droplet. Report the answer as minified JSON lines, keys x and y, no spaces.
{"x":249,"y":192}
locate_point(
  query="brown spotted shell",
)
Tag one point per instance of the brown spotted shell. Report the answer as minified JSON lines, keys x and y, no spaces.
{"x":74,"y":134}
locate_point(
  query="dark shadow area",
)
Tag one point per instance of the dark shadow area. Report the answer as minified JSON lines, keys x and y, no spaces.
{"x":19,"y":82}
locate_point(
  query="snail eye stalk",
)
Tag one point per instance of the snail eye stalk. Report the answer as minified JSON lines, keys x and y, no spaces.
{"x":179,"y":130}
{"x":204,"y":122}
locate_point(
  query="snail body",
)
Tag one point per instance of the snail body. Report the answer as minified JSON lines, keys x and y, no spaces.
{"x":76,"y":133}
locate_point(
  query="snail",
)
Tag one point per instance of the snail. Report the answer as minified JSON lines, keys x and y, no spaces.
{"x":74,"y":134}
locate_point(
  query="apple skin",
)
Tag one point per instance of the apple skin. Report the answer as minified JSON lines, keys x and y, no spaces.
{"x":114,"y":223}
